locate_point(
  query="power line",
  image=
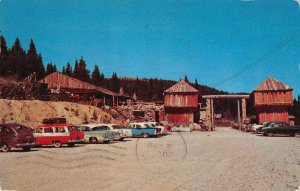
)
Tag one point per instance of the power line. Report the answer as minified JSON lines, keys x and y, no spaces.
{"x":260,"y":59}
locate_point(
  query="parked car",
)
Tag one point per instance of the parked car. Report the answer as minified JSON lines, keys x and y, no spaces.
{"x":98,"y":133}
{"x":16,"y":136}
{"x":280,"y":128}
{"x":160,"y":126}
{"x":58,"y":134}
{"x":142,"y":130}
{"x":122,"y":131}
{"x":257,"y":127}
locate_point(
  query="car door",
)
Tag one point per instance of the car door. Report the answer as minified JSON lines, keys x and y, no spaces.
{"x":46,"y":137}
{"x":8,"y":136}
{"x":284,"y":128}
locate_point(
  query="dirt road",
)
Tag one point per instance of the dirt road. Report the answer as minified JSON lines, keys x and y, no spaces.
{"x":222,"y":160}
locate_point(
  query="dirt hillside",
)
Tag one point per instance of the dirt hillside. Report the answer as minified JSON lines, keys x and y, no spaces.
{"x":31,"y":113}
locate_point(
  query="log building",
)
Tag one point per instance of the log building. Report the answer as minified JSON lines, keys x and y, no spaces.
{"x":180,"y":103}
{"x":90,"y":92}
{"x":271,"y":101}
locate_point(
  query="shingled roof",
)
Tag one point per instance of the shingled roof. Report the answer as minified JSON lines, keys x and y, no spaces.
{"x":181,"y":87}
{"x":271,"y":84}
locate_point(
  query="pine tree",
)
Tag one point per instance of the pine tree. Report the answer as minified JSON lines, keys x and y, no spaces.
{"x":96,"y":77}
{"x":69,"y":69}
{"x":15,"y":63}
{"x":3,"y":56}
{"x":34,"y":61}
{"x":76,"y":73}
{"x":63,"y":70}
{"x":115,"y":84}
{"x":50,"y":68}
{"x":186,"y":78}
{"x":83,"y":72}
{"x":196,"y":82}
{"x":40,"y":69}
{"x":54,"y":68}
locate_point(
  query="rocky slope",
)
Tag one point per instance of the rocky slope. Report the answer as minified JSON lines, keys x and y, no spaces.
{"x":31,"y":113}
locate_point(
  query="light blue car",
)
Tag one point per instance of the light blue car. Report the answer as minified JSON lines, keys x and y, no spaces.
{"x":142,"y":130}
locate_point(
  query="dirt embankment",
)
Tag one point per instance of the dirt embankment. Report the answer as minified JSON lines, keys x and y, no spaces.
{"x":31,"y":113}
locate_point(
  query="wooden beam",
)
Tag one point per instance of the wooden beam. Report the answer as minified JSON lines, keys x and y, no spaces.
{"x":239,"y":115}
{"x":244,"y":110}
{"x":225,"y":96}
{"x":212,"y":115}
{"x":208,"y":114}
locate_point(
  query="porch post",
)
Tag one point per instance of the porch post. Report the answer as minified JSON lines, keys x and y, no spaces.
{"x":239,"y":115}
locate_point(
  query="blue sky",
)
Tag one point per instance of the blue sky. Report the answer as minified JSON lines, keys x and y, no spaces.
{"x":208,"y":40}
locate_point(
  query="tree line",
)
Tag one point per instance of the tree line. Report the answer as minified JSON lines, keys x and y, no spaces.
{"x":18,"y":63}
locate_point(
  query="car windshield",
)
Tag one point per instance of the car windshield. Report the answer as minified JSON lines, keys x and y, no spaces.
{"x":22,"y":128}
{"x":72,"y":128}
{"x":100,"y":128}
{"x":116,"y":127}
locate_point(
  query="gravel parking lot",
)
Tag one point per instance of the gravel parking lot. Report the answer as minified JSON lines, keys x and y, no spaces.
{"x":222,"y":160}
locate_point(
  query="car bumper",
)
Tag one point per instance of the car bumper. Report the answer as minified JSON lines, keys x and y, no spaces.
{"x":20,"y":145}
{"x":76,"y":141}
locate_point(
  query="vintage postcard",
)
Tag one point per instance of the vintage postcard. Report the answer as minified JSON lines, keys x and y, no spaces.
{"x":137,"y":95}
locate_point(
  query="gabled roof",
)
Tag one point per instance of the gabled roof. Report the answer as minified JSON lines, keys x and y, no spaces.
{"x":271,"y":84}
{"x":182,"y":87}
{"x":58,"y":79}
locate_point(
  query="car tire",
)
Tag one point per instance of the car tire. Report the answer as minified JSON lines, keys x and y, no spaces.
{"x":26,"y":149}
{"x":57,"y":144}
{"x":270,"y":134}
{"x":105,"y":142}
{"x":5,"y":148}
{"x":265,"y":134}
{"x":145,"y":135}
{"x":121,"y":139}
{"x":71,"y":144}
{"x":93,"y":140}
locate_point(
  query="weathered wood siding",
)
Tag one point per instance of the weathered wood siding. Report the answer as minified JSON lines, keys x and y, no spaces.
{"x":272,"y":113}
{"x":181,"y":100}
{"x":273,"y":98}
{"x":180,"y":115}
{"x":58,"y":80}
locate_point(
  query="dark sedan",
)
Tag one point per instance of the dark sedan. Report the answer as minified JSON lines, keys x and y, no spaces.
{"x":280,"y":128}
{"x":15,"y":135}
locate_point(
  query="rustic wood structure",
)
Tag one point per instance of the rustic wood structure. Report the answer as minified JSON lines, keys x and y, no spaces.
{"x":241,"y":103}
{"x":180,"y":103}
{"x":59,"y":81}
{"x":272,"y":100}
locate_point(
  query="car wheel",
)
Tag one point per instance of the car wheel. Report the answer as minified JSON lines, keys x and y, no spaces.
{"x":145,"y":135}
{"x":26,"y":149}
{"x":71,"y":144}
{"x":265,"y":134}
{"x":93,"y":140}
{"x":105,"y":142}
{"x":57,"y":144}
{"x":121,"y":139}
{"x":5,"y":148}
{"x":270,"y":134}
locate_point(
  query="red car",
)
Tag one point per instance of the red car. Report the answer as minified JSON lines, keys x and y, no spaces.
{"x":15,"y":135}
{"x":58,"y":134}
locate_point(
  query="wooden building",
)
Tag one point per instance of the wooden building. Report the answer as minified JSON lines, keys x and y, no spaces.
{"x":75,"y":87}
{"x":180,"y":103}
{"x":271,"y":101}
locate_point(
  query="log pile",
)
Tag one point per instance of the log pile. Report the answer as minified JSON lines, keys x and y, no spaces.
{"x":24,"y":91}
